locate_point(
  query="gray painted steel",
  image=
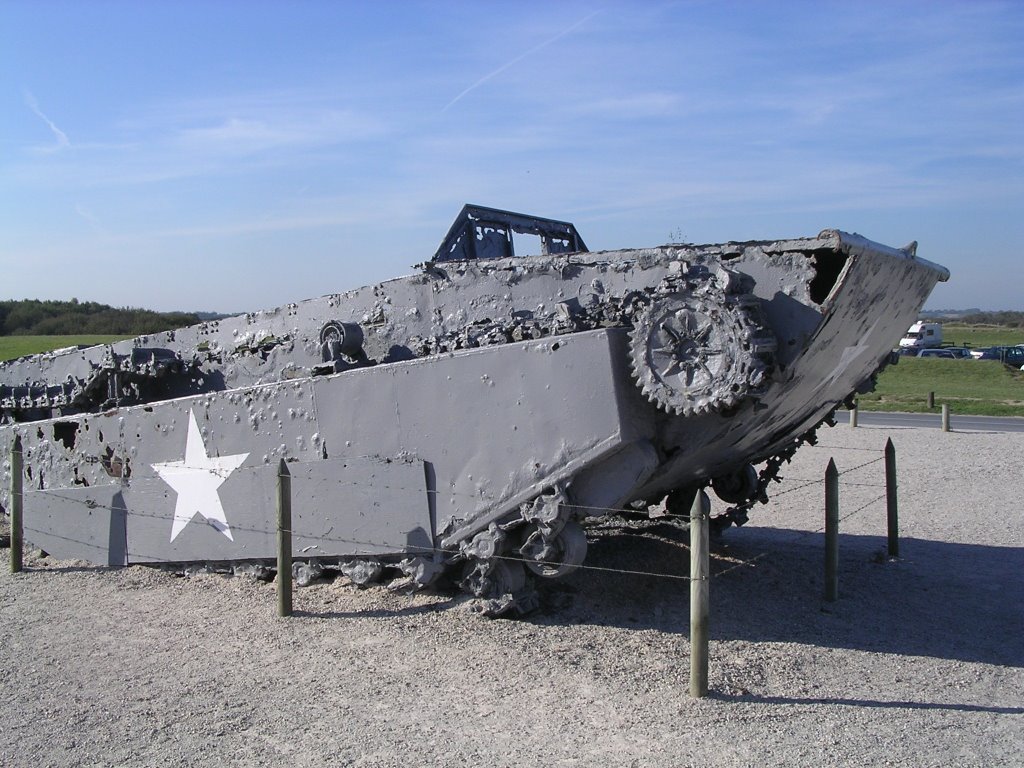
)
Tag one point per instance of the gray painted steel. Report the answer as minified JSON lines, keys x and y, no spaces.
{"x":357,"y":488}
{"x":463,"y":418}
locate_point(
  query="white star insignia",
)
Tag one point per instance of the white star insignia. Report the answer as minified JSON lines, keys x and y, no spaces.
{"x":849,"y":356}
{"x":196,"y":479}
{"x":845,"y":361}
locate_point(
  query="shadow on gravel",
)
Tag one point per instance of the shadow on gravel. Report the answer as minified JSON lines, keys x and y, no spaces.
{"x":412,"y":610}
{"x":870,"y":703}
{"x":952,"y":601}
{"x":38,"y":566}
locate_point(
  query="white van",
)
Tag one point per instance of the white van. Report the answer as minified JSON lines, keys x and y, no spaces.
{"x":922,"y":336}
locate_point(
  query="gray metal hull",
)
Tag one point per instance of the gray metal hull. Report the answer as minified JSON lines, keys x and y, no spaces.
{"x":437,"y":453}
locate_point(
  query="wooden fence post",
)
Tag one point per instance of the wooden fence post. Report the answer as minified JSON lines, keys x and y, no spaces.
{"x":700,"y":513}
{"x":284,"y":540}
{"x":853,"y":413}
{"x":17,"y":507}
{"x":892,"y":512}
{"x":931,"y":399}
{"x":945,"y":417}
{"x":831,"y":532}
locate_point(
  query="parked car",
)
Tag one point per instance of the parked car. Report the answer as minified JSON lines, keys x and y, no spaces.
{"x":955,"y":353}
{"x":1013,"y":356}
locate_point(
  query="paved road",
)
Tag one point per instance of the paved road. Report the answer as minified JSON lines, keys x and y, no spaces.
{"x":925,"y":420}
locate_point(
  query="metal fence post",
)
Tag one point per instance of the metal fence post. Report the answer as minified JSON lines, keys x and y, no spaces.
{"x":284,"y":540}
{"x":831,"y":531}
{"x":700,"y":572}
{"x":17,"y":506}
{"x":891,"y":510}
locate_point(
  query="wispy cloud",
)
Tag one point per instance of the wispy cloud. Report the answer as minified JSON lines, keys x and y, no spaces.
{"x":519,"y":58}
{"x":89,"y":217}
{"x":174,"y":140}
{"x":263,"y":223}
{"x":632,"y":106}
{"x":62,"y":138}
{"x":648,"y":118}
{"x":251,"y":132}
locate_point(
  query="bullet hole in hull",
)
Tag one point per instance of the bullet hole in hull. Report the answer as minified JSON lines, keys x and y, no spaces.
{"x":66,"y":432}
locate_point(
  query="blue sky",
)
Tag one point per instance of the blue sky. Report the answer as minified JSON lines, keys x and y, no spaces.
{"x":231,"y":156}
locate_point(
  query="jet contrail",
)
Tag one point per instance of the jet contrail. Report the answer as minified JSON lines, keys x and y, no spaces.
{"x":62,"y":138}
{"x":519,"y":58}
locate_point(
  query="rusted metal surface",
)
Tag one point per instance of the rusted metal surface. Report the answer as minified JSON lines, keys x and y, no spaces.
{"x":463,"y":419}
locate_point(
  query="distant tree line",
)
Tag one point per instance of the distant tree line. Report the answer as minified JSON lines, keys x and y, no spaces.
{"x":1005,"y":318}
{"x":31,"y":317}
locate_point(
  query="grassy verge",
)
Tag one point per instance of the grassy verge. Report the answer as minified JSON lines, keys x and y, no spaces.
{"x":976,"y":387}
{"x":19,"y":346}
{"x":981,"y":335}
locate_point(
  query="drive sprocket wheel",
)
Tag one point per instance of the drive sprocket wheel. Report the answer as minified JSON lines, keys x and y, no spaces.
{"x":699,"y":351}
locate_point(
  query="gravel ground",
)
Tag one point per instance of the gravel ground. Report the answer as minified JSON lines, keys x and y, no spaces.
{"x":919,"y":662}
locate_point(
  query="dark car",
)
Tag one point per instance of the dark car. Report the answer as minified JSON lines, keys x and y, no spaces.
{"x":1013,"y":356}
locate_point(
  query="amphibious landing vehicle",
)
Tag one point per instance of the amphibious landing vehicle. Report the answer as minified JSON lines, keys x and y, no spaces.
{"x":462,"y":420}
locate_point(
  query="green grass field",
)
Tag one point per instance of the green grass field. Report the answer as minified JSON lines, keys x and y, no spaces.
{"x":976,"y":387}
{"x":19,"y":346}
{"x":981,"y":335}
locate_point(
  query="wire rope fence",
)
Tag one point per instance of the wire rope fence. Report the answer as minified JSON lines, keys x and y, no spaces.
{"x":360,"y":544}
{"x":285,"y":531}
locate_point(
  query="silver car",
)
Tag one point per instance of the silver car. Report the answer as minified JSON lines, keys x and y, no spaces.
{"x":956,"y":353}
